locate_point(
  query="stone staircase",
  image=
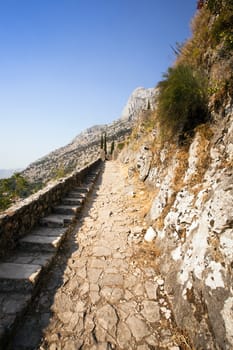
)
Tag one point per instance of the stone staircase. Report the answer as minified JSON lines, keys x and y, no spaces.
{"x":21,"y":272}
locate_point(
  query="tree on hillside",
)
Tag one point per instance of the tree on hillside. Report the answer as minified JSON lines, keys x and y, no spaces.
{"x":105,"y":143}
{"x":102,"y":141}
{"x":112,"y":147}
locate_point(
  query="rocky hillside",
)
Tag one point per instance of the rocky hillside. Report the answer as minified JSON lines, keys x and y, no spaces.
{"x":141,"y":99}
{"x":188,"y":173}
{"x":86,"y":146}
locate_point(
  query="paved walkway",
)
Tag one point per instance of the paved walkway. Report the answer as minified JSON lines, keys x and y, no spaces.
{"x":111,"y":295}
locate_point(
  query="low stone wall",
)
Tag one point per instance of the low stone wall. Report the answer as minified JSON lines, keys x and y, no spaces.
{"x":18,"y":220}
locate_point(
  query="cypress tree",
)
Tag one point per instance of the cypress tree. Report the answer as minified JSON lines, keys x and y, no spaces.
{"x":102,"y":142}
{"x":105,"y":143}
{"x":112,"y":147}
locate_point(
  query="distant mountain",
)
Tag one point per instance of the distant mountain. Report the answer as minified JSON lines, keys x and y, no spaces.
{"x":5,"y":173}
{"x":141,"y":99}
{"x":85,"y":147}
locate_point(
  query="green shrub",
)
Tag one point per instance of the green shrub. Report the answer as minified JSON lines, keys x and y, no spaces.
{"x":222,"y":29}
{"x":120,"y":145}
{"x":217,"y":6}
{"x":182,"y":102}
{"x":112,"y":147}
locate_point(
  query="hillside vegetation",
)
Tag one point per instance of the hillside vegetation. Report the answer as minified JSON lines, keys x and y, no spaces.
{"x":15,"y":188}
{"x":193,"y":89}
{"x":183,"y":151}
{"x":202,"y":74}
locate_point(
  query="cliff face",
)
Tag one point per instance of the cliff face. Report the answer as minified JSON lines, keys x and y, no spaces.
{"x":191,"y":213}
{"x":192,"y":187}
{"x":140,"y":100}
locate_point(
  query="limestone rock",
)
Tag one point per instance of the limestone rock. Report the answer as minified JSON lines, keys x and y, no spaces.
{"x":150,"y":311}
{"x":192,"y":214}
{"x":150,"y":234}
{"x":123,"y":335}
{"x":143,"y":162}
{"x":141,"y":99}
{"x":151,"y":289}
{"x":138,"y":327}
{"x":106,"y":317}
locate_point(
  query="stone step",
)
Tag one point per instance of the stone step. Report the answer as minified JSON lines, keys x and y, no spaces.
{"x":83,"y":189}
{"x":76,"y":194}
{"x":91,"y":177}
{"x":12,"y":305}
{"x":54,"y":220}
{"x":90,"y":185}
{"x":22,"y":256}
{"x":67,"y":209}
{"x":21,"y":272}
{"x":49,"y":231}
{"x":72,"y":201}
{"x":18,"y":277}
{"x":41,"y":243}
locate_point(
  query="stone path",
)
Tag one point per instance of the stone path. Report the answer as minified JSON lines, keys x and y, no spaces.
{"x":107,"y":293}
{"x":23,"y":269}
{"x":109,"y":301}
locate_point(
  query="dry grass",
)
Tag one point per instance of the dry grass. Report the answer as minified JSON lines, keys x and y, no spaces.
{"x":182,"y":156}
{"x":159,"y":224}
{"x":194,"y":50}
{"x":182,"y":340}
{"x":146,"y":254}
{"x":214,"y":243}
{"x":144,"y":194}
{"x":181,"y":159}
{"x":179,"y":172}
{"x":203,"y":152}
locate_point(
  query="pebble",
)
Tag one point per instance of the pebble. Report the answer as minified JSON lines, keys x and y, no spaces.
{"x":160,"y":281}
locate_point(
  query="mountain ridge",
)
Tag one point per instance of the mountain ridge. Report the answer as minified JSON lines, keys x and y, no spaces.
{"x":85,"y":147}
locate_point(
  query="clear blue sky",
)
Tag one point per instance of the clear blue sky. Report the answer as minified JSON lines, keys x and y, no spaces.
{"x":66,"y":65}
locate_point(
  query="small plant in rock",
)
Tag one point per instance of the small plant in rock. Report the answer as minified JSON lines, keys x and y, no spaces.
{"x":182,"y":102}
{"x":120,"y":145}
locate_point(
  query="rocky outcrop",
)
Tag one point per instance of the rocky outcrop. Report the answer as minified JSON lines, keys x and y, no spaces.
{"x":141,"y":100}
{"x":192,"y":217}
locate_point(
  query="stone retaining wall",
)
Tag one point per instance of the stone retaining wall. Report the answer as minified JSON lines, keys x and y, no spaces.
{"x":18,"y":220}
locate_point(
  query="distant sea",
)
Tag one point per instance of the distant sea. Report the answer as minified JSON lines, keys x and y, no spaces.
{"x":5,"y":173}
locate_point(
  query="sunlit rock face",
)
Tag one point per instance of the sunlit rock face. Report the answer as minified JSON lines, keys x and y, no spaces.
{"x":191,"y":213}
{"x":141,"y":99}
